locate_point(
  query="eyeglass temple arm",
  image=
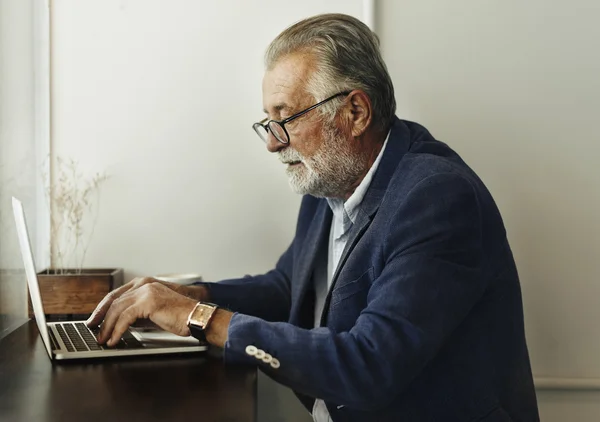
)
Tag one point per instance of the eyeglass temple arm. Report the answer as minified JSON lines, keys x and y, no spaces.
{"x":302,"y":113}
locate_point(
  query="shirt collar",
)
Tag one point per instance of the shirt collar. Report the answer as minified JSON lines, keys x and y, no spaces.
{"x":348,"y":210}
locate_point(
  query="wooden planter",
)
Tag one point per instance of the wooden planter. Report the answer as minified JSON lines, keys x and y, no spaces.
{"x":74,"y":294}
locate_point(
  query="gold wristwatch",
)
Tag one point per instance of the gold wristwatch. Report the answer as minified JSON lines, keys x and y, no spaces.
{"x":200,"y":318}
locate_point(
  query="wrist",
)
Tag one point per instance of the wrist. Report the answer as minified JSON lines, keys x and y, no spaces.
{"x":217,"y":330}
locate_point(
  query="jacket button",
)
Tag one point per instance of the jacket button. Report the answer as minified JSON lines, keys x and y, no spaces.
{"x":275,"y":363}
{"x":259,"y":354}
{"x":267,"y":358}
{"x":251,"y":350}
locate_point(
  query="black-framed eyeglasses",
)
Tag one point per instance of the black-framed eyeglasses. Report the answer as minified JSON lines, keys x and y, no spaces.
{"x":277,"y":127}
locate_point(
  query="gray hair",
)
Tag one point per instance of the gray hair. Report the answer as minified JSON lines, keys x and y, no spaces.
{"x":348,"y":58}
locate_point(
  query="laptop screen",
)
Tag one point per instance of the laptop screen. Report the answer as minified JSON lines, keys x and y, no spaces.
{"x":32,"y":281}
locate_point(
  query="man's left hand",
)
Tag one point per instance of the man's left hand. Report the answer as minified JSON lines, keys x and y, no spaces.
{"x":166,"y":308}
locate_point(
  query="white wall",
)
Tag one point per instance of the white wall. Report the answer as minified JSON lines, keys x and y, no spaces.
{"x":162,"y":96}
{"x":514,"y":86}
{"x":17,"y":166}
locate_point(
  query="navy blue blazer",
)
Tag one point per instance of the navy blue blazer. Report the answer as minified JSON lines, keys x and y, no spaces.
{"x":424,"y":320}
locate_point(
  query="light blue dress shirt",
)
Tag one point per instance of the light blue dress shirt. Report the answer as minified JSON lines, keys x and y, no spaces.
{"x":344,"y":216}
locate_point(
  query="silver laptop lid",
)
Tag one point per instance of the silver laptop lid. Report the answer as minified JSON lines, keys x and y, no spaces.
{"x":32,"y":280}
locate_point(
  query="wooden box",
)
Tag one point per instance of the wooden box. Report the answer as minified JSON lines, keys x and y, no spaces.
{"x":75,"y":294}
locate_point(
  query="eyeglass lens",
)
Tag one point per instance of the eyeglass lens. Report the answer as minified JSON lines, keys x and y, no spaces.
{"x":278,"y":131}
{"x":275,"y":128}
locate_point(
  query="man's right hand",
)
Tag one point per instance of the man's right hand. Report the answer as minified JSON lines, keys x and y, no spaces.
{"x":198,"y":292}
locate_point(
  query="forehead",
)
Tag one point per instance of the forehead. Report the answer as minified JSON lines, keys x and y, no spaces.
{"x":284,"y":85}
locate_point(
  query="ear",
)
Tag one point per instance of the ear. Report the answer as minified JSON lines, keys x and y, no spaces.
{"x":359,"y":112}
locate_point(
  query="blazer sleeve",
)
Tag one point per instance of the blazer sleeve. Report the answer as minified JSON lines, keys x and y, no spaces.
{"x":266,"y":296}
{"x":430,"y":280}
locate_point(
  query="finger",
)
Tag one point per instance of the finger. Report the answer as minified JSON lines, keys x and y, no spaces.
{"x":127,"y":317}
{"x":112,"y":315}
{"x":98,"y":314}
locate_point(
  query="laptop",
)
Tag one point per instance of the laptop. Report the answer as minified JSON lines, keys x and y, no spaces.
{"x":66,"y":340}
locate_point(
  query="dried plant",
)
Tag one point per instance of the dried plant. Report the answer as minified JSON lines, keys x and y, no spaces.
{"x":73,"y":199}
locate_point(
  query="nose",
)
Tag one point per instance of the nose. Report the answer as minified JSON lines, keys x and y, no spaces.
{"x":273,"y":145}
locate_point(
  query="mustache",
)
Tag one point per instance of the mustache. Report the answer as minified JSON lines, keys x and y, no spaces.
{"x":289,"y":155}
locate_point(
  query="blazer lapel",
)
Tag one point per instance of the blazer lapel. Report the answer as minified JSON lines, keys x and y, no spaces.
{"x":360,"y":226}
{"x":302,"y":312}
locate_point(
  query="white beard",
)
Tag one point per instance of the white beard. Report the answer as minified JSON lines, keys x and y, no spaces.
{"x":331,"y":172}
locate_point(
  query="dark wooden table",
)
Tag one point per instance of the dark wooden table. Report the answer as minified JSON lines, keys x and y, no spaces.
{"x":186,"y":388}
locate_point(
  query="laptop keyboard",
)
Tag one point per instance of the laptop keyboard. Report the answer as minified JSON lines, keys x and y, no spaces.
{"x":78,"y":337}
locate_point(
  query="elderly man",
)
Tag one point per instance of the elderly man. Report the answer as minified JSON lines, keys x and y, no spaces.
{"x":398,"y":298}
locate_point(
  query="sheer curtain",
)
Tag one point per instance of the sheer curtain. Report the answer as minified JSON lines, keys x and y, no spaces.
{"x":24,"y":145}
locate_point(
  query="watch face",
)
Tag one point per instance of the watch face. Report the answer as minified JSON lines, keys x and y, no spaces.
{"x":201,"y":315}
{"x":200,"y":319}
